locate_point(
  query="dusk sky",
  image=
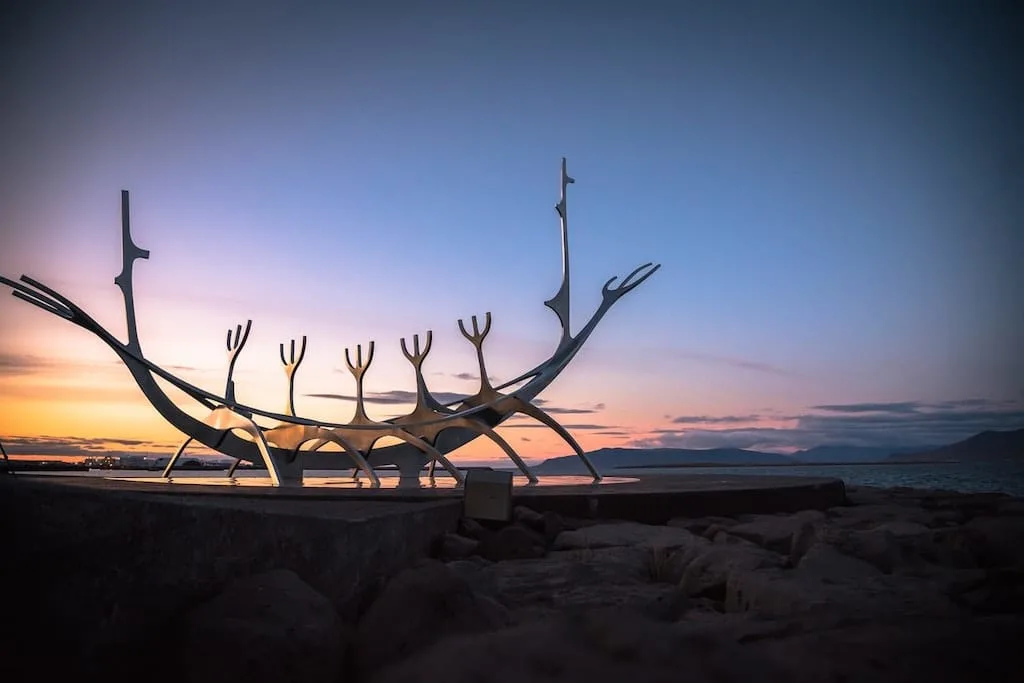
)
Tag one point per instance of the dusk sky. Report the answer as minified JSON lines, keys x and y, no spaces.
{"x":835,"y":191}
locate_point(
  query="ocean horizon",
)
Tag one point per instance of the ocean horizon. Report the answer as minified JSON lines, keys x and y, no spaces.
{"x":998,"y":476}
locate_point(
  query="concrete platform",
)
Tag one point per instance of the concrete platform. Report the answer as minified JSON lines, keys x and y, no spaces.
{"x":652,"y":499}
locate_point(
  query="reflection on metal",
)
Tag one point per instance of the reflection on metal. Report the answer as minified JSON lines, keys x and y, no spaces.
{"x":426,"y":434}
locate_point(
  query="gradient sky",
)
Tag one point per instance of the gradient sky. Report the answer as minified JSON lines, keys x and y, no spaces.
{"x":835,"y":191}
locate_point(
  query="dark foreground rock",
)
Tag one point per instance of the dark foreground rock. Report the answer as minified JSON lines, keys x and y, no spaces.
{"x":604,"y":645}
{"x":898,"y":585}
{"x":269,"y":627}
{"x":416,"y":609}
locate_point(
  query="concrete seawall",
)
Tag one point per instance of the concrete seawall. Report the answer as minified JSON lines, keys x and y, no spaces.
{"x":95,"y":571}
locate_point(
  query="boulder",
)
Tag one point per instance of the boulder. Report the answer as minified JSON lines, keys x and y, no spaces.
{"x":802,"y":540}
{"x":708,"y":573}
{"x":865,"y":517}
{"x":1002,"y":540}
{"x":514,"y":542}
{"x":772,"y":593}
{"x":472,"y":529}
{"x":454,"y":547}
{"x":775,"y":532}
{"x":553,"y":525}
{"x":672,"y":563}
{"x":600,"y":645}
{"x":418,"y":607}
{"x":697,"y":525}
{"x":528,"y":517}
{"x":570,"y":580}
{"x":471,"y":570}
{"x":879,"y":548}
{"x":624,"y":534}
{"x":901,"y":528}
{"x":825,"y":563}
{"x":267,"y":627}
{"x":901,"y":650}
{"x":1000,"y":591}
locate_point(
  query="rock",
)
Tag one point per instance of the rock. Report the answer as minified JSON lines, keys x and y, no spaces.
{"x":900,"y":650}
{"x":968,"y":504}
{"x":417,"y":608}
{"x":512,"y":543}
{"x":471,"y":570}
{"x":454,"y":547}
{"x":879,"y":548}
{"x":1011,"y":507}
{"x":901,"y":528}
{"x":668,"y":605}
{"x":604,"y":645}
{"x":956,"y":547}
{"x":472,"y":529}
{"x":775,"y":532}
{"x":771,"y":593}
{"x":707,"y":574}
{"x":624,"y":534}
{"x":1000,"y":592}
{"x":825,"y":563}
{"x":803,"y":538}
{"x":1002,"y":540}
{"x":267,"y":627}
{"x":697,"y":525}
{"x":672,"y":566}
{"x":552,"y":526}
{"x":714,"y":530}
{"x":832,"y":591}
{"x":865,"y":517}
{"x":574,"y":579}
{"x":528,"y":517}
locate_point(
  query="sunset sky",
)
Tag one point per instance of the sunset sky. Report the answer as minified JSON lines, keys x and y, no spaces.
{"x":835,"y":191}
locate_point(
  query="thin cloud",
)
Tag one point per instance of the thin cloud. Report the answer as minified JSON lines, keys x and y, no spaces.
{"x":538,"y":425}
{"x":15,"y":364}
{"x":185,"y":368}
{"x":467,"y":376}
{"x":904,"y":424}
{"x":78,"y":446}
{"x":900,"y":407}
{"x":569,"y":411}
{"x":723,"y":419}
{"x":753,"y":438}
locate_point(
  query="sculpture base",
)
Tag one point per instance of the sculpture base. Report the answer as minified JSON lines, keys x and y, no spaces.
{"x":652,"y":499}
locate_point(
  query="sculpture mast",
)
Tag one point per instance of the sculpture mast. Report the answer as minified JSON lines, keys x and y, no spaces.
{"x":129,"y":252}
{"x":559,"y":303}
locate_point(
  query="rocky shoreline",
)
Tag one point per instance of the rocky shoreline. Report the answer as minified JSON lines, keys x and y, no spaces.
{"x":897,"y":585}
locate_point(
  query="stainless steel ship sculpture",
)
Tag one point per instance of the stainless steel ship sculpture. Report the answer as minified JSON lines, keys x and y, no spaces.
{"x":293,"y":444}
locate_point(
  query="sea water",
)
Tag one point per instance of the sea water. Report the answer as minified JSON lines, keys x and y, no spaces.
{"x":1005,"y":476}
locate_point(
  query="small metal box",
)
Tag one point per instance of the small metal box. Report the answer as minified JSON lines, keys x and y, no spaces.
{"x":488,"y":495}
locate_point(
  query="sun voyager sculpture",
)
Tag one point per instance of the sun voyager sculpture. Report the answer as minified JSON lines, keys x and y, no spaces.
{"x":293,"y":443}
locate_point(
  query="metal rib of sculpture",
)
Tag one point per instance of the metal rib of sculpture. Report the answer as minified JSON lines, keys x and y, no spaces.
{"x":426,"y":434}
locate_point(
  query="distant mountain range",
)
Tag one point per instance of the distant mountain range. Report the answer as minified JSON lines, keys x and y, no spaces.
{"x":984,"y":446}
{"x":611,"y":458}
{"x":987,"y":445}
